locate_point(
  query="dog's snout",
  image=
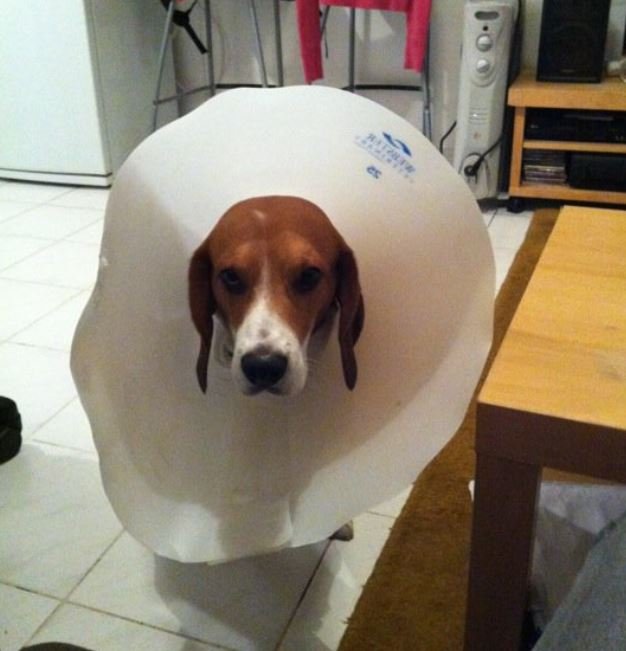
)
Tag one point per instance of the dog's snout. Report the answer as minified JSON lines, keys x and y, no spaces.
{"x":264,"y":370}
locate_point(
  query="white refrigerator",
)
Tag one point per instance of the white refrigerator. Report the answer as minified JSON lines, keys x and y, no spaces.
{"x":77,"y":80}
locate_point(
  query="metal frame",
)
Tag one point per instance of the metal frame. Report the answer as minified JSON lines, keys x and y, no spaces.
{"x":352,"y":85}
{"x":212,"y":86}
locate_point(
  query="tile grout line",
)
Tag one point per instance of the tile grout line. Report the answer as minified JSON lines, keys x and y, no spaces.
{"x":49,"y":349}
{"x":59,"y":604}
{"x":19,"y":216}
{"x":33,"y":439}
{"x":43,"y":316}
{"x":378,"y":514}
{"x":36,"y":202}
{"x":31,"y":435}
{"x":94,"y":564}
{"x":67,"y":238}
{"x":305,"y":590}
{"x":40,"y":284}
{"x":31,"y":206}
{"x":138,"y":622}
{"x":492,"y":218}
{"x":68,"y":602}
{"x":39,"y":593}
{"x":45,"y":621}
{"x":51,"y":240}
{"x":65,"y":600}
{"x":60,"y":240}
{"x":49,"y":244}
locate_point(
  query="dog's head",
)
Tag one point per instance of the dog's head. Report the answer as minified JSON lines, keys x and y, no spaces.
{"x":272,"y":270}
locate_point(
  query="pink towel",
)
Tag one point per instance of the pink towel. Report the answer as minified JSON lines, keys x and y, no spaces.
{"x":417,"y":13}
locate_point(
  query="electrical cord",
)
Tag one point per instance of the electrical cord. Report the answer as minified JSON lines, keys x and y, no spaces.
{"x":475,"y":179}
{"x":445,"y":136}
{"x":472,"y":170}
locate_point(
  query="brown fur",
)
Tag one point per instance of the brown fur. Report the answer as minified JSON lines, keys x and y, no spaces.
{"x":291,"y":234}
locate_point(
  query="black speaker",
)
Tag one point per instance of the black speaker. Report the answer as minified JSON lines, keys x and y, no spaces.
{"x":573,"y":37}
{"x":597,"y":171}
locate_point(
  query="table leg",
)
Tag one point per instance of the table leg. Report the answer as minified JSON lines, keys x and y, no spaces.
{"x":502,"y":537}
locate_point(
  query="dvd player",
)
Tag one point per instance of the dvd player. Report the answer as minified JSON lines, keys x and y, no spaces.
{"x":576,"y":125}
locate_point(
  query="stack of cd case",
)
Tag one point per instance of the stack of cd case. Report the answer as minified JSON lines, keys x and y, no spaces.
{"x":544,"y":167}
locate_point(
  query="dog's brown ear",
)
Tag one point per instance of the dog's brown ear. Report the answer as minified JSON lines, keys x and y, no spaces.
{"x":202,"y":304}
{"x":352,"y":313}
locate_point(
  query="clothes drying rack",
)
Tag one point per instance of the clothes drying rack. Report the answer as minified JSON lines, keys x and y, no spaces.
{"x":212,"y":86}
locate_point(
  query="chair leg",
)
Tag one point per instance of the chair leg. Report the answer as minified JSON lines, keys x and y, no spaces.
{"x":279,"y":44}
{"x":427,"y":129}
{"x":325,"y":14}
{"x":162,"y":53}
{"x":209,"y":47}
{"x":259,"y":44}
{"x":352,"y":57}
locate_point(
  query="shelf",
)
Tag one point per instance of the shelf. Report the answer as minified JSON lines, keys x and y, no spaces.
{"x":538,"y":191}
{"x":526,"y":91}
{"x":560,"y":145}
{"x":609,"y":95}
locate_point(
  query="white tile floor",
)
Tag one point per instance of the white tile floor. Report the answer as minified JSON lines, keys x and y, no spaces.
{"x":67,"y":571}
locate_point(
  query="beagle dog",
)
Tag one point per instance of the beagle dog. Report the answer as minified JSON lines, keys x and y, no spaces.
{"x":274,"y":270}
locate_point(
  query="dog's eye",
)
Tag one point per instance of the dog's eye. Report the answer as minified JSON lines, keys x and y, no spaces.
{"x":232,"y":281}
{"x":308,"y":280}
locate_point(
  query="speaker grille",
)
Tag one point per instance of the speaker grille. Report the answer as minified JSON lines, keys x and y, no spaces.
{"x":573,"y":37}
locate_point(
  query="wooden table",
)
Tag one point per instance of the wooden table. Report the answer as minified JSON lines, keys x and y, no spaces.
{"x":554,"y":397}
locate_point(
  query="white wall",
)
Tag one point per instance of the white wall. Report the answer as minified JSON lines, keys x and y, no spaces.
{"x":532,"y":29}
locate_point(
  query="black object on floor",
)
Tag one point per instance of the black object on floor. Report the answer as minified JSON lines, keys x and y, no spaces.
{"x":10,"y":429}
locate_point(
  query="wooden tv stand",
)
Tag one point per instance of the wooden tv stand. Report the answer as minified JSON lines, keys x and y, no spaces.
{"x":526,"y":92}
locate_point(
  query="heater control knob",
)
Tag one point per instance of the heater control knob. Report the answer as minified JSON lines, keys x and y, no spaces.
{"x":483,"y":66}
{"x":484,"y":42}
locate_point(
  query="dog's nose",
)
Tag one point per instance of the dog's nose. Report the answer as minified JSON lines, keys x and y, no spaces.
{"x":263,"y":370}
